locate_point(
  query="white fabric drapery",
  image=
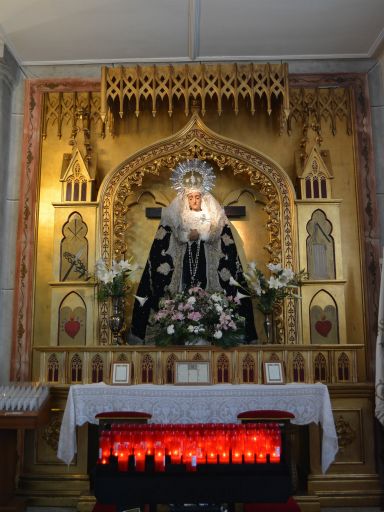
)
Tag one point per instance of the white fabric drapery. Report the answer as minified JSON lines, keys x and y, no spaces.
{"x":198,"y":404}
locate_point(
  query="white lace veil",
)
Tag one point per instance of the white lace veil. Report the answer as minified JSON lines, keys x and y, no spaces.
{"x":176,"y":214}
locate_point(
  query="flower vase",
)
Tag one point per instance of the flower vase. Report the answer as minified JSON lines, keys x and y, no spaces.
{"x":268,"y":327}
{"x":116,"y":320}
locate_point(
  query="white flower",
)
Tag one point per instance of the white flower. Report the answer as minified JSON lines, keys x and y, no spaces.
{"x":257,"y":287}
{"x":141,"y":300}
{"x":218,"y":334}
{"x":191,"y":300}
{"x":171,"y":329}
{"x":107,"y":276}
{"x":218,"y":308}
{"x":274,"y":283}
{"x":252,"y":265}
{"x":233,"y":282}
{"x":274,"y":268}
{"x":286,"y":276}
{"x":215,"y":297}
{"x":100,"y":268}
{"x":240,"y":295}
{"x":190,"y":328}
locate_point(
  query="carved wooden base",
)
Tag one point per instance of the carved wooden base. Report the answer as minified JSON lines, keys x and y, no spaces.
{"x":9,"y":456}
{"x":14,"y":505}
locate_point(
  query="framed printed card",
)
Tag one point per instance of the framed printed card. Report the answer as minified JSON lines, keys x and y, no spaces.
{"x":192,"y":372}
{"x":121,"y":374}
{"x":273,"y":373}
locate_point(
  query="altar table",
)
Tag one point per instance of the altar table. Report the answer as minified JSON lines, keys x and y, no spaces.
{"x":219,"y":403}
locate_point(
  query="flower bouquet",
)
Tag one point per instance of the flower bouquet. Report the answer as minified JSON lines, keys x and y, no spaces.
{"x":270,"y":291}
{"x":113,"y":281}
{"x":195,"y":314}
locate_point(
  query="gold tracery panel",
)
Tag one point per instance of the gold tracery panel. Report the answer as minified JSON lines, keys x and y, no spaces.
{"x":307,"y":105}
{"x":134,"y":85}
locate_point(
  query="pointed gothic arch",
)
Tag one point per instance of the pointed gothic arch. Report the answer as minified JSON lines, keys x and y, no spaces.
{"x":196,"y":140}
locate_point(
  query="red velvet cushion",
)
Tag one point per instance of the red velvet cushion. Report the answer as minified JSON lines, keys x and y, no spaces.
{"x":123,"y":415}
{"x":289,"y":506}
{"x":104,"y":508}
{"x":265,"y":415}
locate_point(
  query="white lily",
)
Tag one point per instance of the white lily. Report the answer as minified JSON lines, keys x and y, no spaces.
{"x":141,"y":300}
{"x":233,"y":282}
{"x":275,"y":267}
{"x":241,"y":295}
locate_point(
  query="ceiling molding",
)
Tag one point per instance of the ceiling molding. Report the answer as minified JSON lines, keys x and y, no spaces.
{"x":201,"y":58}
{"x":193,"y":28}
{"x":378,"y":43}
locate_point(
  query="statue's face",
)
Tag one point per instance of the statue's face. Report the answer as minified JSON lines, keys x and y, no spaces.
{"x":194,"y":201}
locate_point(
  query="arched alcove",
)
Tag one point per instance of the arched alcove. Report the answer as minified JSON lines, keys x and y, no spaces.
{"x":323,"y":318}
{"x":72,"y":321}
{"x":266,"y":184}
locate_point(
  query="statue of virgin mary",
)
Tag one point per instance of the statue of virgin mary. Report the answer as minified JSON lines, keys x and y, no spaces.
{"x":193,"y":246}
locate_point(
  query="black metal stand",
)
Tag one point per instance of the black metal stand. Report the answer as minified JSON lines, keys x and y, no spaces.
{"x":212,"y":484}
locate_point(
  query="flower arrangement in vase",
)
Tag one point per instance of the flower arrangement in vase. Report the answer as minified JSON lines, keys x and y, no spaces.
{"x":270,"y":291}
{"x":114,"y":283}
{"x":194,"y":315}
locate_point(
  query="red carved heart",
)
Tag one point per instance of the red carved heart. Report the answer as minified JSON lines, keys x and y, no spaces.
{"x":323,"y":327}
{"x":72,"y":327}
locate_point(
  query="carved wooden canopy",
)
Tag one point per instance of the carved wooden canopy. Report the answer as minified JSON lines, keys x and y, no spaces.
{"x":187,"y":82}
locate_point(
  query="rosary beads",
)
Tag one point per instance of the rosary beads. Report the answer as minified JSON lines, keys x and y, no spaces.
{"x":193,"y":263}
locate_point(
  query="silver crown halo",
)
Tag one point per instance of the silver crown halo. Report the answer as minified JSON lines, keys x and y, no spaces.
{"x":184,"y":177}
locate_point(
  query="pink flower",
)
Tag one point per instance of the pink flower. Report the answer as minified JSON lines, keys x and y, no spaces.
{"x":224,"y":318}
{"x":194,"y":315}
{"x":178,"y":316}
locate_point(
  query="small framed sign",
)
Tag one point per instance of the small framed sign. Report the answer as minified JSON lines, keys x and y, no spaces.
{"x":121,"y":373}
{"x":192,"y":372}
{"x":273,"y":373}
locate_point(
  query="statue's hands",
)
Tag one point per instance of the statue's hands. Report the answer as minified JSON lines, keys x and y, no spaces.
{"x":193,"y":235}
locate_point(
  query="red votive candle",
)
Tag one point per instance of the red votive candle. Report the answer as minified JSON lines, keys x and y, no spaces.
{"x":249,"y":456}
{"x":139,"y":459}
{"x":159,"y":459}
{"x":211,"y":457}
{"x":237,"y":456}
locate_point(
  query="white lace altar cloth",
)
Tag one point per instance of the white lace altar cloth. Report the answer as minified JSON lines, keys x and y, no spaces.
{"x":198,"y":404}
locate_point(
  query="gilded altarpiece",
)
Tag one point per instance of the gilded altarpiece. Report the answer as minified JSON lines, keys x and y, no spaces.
{"x":304,"y":174}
